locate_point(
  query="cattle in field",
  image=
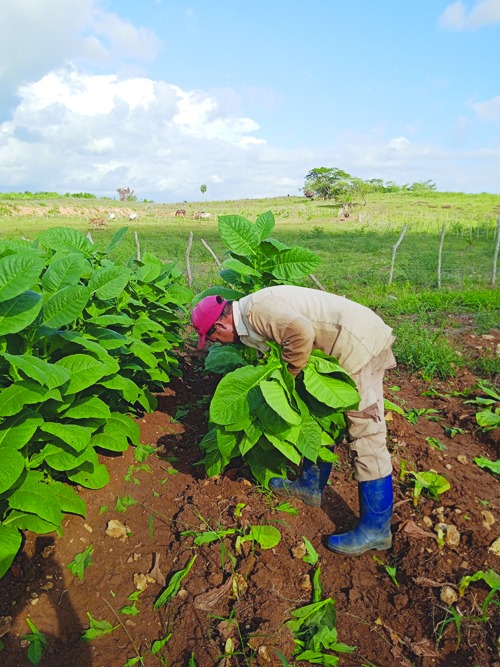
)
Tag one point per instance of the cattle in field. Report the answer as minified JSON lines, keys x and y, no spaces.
{"x":180,"y":213}
{"x":201,"y":215}
{"x":98,"y":223}
{"x":132,"y":216}
{"x":111,"y":216}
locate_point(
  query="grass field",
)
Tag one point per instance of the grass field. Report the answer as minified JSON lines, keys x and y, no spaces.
{"x":356,"y":254}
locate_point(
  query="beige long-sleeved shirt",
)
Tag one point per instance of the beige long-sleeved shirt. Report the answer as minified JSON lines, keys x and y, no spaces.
{"x":302,"y":319}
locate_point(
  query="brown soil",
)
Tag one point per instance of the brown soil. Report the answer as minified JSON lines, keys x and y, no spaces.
{"x":248,"y":596}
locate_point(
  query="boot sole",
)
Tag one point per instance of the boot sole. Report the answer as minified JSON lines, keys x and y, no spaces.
{"x":284,"y":493}
{"x":380,"y":546}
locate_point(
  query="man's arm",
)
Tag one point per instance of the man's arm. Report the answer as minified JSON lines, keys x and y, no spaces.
{"x":274,"y":320}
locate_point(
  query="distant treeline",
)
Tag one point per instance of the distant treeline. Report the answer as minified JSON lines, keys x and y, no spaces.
{"x":48,"y":195}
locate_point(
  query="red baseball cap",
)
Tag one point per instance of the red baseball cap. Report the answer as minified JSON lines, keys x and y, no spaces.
{"x":205,"y":314}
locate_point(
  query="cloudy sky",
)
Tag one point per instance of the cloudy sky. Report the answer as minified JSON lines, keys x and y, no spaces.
{"x":246,"y":97}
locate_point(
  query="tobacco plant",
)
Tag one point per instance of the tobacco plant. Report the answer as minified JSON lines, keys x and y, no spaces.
{"x":83,"y":341}
{"x":262,"y":414}
{"x":255,"y":260}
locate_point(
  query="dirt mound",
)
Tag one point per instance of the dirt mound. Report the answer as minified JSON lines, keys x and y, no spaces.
{"x":237,"y":600}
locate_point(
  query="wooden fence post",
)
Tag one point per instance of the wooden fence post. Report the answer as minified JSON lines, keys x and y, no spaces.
{"x":138,"y":247}
{"x":315,"y":280}
{"x":495,"y":254}
{"x":188,"y":265}
{"x":211,"y":252}
{"x":394,"y":250}
{"x":441,"y":241}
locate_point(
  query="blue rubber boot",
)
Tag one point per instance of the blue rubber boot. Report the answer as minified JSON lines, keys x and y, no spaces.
{"x":374,"y":528}
{"x":308,"y":487}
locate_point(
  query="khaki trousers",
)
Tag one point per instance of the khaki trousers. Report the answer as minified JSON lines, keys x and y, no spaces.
{"x":366,"y":427}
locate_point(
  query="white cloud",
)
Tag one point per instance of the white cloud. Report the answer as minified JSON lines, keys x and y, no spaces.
{"x":489,"y":110}
{"x":84,"y":94}
{"x":73,"y":131}
{"x":37,"y":36}
{"x":456,"y":17}
{"x":200,"y":116}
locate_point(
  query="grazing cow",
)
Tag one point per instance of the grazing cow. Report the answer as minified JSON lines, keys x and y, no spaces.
{"x":98,"y":223}
{"x":201,"y":215}
{"x":181,"y":213}
{"x":132,"y":216}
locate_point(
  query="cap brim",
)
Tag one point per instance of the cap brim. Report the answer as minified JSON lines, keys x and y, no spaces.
{"x":201,"y":341}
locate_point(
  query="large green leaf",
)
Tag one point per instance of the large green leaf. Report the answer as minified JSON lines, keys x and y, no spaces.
{"x":239,"y":234}
{"x":275,"y":396}
{"x":325,"y":364}
{"x":11,"y":467}
{"x":34,"y":496}
{"x":146,"y":325}
{"x":228,"y":443}
{"x":265,"y":224}
{"x":309,"y":440}
{"x":124,"y":386}
{"x":178,"y":294}
{"x":19,"y":429}
{"x":90,"y":407}
{"x":18,"y":273}
{"x":250,"y":438}
{"x":230,"y":403}
{"x":18,"y":313}
{"x":63,"y":271}
{"x":85,"y":371}
{"x":266,"y":464}
{"x":223,"y":358}
{"x":46,"y":374}
{"x":285,"y":448}
{"x":62,"y":457}
{"x":115,"y":319}
{"x":27,"y":521}
{"x":90,"y":475}
{"x":241,"y":268}
{"x":65,"y":238}
{"x":74,"y":435}
{"x":292,"y":264}
{"x":109,"y":282}
{"x":15,"y":397}
{"x":68,"y":498}
{"x":65,"y":306}
{"x":116,"y":434}
{"x":143,"y":352}
{"x":331,"y":391}
{"x":150,"y":269}
{"x":100,"y":352}
{"x":108,"y":339}
{"x":10,"y":542}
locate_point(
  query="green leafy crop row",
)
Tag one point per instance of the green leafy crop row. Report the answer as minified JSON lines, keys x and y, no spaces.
{"x":83,"y":341}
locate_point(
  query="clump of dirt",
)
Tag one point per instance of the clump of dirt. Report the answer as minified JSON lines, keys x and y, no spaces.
{"x":237,"y":601}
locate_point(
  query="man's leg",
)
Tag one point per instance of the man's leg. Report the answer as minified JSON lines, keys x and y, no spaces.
{"x":372,"y":462}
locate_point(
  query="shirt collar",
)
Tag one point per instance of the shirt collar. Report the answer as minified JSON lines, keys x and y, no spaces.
{"x":241,"y":329}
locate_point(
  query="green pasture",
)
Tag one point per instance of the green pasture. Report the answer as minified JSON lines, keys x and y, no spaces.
{"x":356,"y":253}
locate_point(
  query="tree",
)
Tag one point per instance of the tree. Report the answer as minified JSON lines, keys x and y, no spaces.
{"x":126,"y":194}
{"x":203,"y":189}
{"x":329,"y":183}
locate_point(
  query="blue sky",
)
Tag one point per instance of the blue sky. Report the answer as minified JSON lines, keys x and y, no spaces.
{"x":165,"y":95}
